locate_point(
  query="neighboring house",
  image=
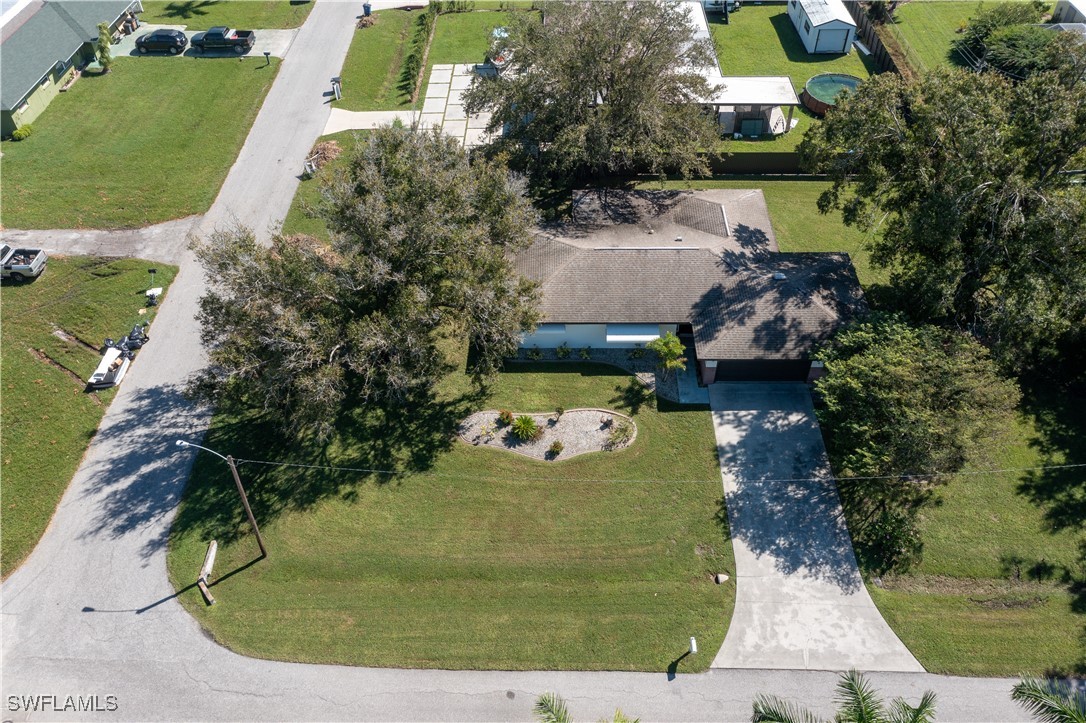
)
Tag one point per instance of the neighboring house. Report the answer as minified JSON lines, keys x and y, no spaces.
{"x":632,"y":266}
{"x":1069,"y":11}
{"x":41,"y":48}
{"x":824,"y":26}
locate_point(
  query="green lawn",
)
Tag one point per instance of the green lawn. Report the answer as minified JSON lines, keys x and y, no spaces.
{"x":464,"y":37}
{"x":761,"y":40}
{"x":48,"y":418}
{"x":308,"y":193}
{"x":469,"y":558}
{"x":373,"y":71}
{"x":245,"y":14}
{"x":995,"y":592}
{"x":929,"y":29}
{"x":149,"y":142}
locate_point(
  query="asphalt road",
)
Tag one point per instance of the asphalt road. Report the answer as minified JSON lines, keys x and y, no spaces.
{"x":92,"y":613}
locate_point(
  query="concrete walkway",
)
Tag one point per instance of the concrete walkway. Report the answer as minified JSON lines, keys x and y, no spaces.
{"x":442,"y":107}
{"x":800,"y":601}
{"x":163,"y":242}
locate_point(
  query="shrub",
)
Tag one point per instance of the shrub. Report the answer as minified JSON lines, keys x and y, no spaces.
{"x":535,"y":353}
{"x":559,"y":411}
{"x":563,"y":351}
{"x":975,"y":37}
{"x":585,"y":353}
{"x":621,"y":434}
{"x":1020,"y":49}
{"x":505,"y":417}
{"x":638,"y":352}
{"x":22,"y":133}
{"x":525,"y":428}
{"x":669,"y":352}
{"x":891,"y":542}
{"x":555,"y":449}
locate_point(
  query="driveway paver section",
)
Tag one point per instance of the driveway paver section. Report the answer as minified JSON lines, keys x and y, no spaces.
{"x":800,"y":601}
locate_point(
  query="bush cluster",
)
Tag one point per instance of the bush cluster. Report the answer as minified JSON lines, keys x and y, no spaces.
{"x":412,"y":65}
{"x":22,"y":133}
{"x":563,"y":351}
{"x":535,"y":353}
{"x":505,"y":417}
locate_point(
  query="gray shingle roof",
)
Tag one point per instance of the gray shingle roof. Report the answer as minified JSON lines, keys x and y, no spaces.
{"x":738,"y":308}
{"x":53,"y":33}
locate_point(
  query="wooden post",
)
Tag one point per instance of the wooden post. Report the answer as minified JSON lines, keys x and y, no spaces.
{"x":205,"y":572}
{"x":245,"y":502}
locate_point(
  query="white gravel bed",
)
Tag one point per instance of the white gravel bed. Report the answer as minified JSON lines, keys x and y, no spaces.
{"x":579,"y":430}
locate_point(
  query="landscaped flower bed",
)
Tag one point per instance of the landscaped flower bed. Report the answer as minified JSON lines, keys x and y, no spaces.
{"x":553,"y":436}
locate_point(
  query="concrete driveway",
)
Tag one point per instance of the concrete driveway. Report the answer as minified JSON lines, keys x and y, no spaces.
{"x":276,"y":42}
{"x":800,"y":601}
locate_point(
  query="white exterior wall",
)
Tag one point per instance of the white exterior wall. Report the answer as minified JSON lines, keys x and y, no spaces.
{"x":578,"y":336}
{"x":809,"y":38}
{"x":1069,"y":11}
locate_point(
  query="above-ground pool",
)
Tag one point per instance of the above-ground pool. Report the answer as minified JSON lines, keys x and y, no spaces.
{"x":821,"y":91}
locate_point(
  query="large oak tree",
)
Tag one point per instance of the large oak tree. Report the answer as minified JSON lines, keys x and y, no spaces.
{"x":420,"y":247}
{"x":964,"y":181}
{"x":601,"y":87}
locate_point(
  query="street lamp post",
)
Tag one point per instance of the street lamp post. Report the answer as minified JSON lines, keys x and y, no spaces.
{"x":241,"y":490}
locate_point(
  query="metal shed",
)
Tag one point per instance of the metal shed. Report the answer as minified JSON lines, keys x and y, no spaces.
{"x":824,"y":26}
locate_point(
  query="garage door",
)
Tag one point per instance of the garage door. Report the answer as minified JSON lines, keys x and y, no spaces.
{"x":831,"y":41}
{"x":767,"y":370}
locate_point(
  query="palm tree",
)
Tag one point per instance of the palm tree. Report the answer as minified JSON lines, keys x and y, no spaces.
{"x":1051,"y":701}
{"x":550,"y":708}
{"x":857,"y":703}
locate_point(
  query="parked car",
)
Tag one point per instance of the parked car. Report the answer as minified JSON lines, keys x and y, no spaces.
{"x":21,"y":264}
{"x":164,"y":39}
{"x":223,"y":38}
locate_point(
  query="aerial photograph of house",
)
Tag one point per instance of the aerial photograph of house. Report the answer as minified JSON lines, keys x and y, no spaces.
{"x":543,"y":360}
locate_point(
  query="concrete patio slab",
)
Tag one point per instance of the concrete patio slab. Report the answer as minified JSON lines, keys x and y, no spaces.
{"x":456,"y":113}
{"x":800,"y":600}
{"x":456,"y":129}
{"x":441,"y":75}
{"x":437,"y":90}
{"x":434,"y":105}
{"x":461,"y":82}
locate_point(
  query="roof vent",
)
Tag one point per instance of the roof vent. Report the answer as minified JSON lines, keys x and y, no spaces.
{"x":779,"y":275}
{"x":678,"y":239}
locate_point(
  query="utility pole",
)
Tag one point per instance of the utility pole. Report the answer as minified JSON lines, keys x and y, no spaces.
{"x":245,"y":503}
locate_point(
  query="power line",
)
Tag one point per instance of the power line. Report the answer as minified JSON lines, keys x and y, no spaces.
{"x":827,"y":477}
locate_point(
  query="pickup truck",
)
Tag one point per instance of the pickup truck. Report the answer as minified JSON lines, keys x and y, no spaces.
{"x":21,"y":264}
{"x":223,"y":38}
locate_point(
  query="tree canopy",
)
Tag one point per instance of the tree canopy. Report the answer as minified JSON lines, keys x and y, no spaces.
{"x":600,"y":87}
{"x":900,"y":407}
{"x":420,"y":248}
{"x":963,"y":181}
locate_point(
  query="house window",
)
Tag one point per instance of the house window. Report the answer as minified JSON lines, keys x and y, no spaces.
{"x":710,"y":364}
{"x":45,"y":82}
{"x":22,"y":107}
{"x":806,"y":27}
{"x":550,"y":329}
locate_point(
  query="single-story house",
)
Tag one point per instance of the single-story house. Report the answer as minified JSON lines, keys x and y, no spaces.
{"x":42,"y":46}
{"x":1069,"y":11}
{"x":704,"y":265}
{"x":824,"y":26}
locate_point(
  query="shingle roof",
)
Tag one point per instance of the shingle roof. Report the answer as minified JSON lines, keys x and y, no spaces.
{"x":823,"y":11}
{"x":53,"y":33}
{"x":760,"y":306}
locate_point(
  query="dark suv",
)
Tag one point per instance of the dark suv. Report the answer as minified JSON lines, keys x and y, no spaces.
{"x":172,"y":41}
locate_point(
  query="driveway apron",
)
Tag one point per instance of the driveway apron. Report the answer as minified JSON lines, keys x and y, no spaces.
{"x":800,"y":601}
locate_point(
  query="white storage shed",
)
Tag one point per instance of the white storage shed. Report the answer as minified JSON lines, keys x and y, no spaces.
{"x":824,"y":26}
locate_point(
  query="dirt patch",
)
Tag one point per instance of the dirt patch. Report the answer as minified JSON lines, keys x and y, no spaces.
{"x":578,"y":430}
{"x":1009,"y":603}
{"x":72,"y":339}
{"x":988,"y":593}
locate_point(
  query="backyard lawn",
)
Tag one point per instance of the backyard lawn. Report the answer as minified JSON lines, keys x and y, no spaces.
{"x":245,"y":14}
{"x":761,"y":40}
{"x":929,"y":29}
{"x":50,"y":335}
{"x":150,"y":142}
{"x":467,"y":557}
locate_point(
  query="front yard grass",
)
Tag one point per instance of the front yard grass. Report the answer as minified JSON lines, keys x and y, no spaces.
{"x":1001,"y":589}
{"x":149,"y":142}
{"x":48,"y":418}
{"x":244,"y":14}
{"x":468,"y":558}
{"x":761,"y":40}
{"x":373,"y":77}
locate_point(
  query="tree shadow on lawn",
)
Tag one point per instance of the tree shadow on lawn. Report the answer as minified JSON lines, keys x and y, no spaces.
{"x":1060,"y":420}
{"x":189,"y":9}
{"x":373,"y":444}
